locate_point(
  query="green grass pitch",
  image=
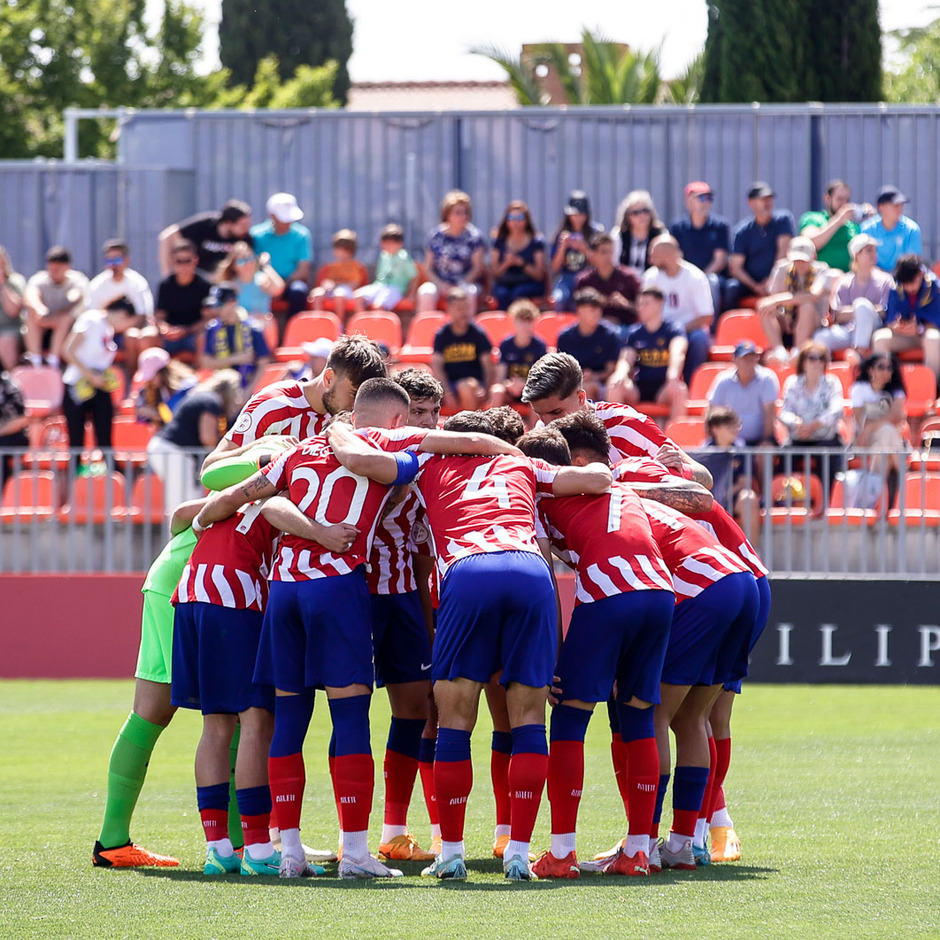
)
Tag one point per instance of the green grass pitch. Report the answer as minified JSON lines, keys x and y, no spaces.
{"x":834,"y":790}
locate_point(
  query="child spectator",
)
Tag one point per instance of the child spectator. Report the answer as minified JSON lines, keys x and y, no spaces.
{"x":617,"y":285}
{"x":517,"y":353}
{"x":338,"y":280}
{"x":594,"y":343}
{"x":394,"y":274}
{"x":252,"y":276}
{"x":162,"y":383}
{"x":570,"y":248}
{"x":53,"y":299}
{"x":462,"y":361}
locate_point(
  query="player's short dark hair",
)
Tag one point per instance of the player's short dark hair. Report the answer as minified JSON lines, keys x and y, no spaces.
{"x":420,"y":385}
{"x":554,"y":374}
{"x":583,"y":430}
{"x":184,"y":245}
{"x":58,"y":254}
{"x":505,"y":423}
{"x":234,"y":210}
{"x":468,"y":422}
{"x":357,"y":358}
{"x":115,"y":244}
{"x":381,"y":391}
{"x":588,"y":297}
{"x":545,"y":444}
{"x":907,"y":269}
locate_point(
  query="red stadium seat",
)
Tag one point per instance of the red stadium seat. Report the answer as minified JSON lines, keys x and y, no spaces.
{"x":735,"y":327}
{"x":790,"y":508}
{"x":90,"y":500}
{"x":305,"y":328}
{"x":420,"y":344}
{"x":42,"y":389}
{"x":497,"y":325}
{"x":380,"y":325}
{"x":702,"y":380}
{"x":146,"y":504}
{"x":687,"y":433}
{"x":273,"y":372}
{"x":29,"y":495}
{"x":921,"y":500}
{"x":921,"y":387}
{"x":549,"y":325}
{"x":839,"y":514}
{"x":130,"y":438}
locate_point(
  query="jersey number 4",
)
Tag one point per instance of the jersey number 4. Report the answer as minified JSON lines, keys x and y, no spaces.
{"x":482,"y":486}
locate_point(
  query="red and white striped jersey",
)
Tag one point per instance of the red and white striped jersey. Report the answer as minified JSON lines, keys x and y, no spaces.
{"x":390,"y":568}
{"x":608,"y":541}
{"x":422,"y":544}
{"x":717,"y":520}
{"x":632,"y":433}
{"x":281,"y":408}
{"x":229,"y":565}
{"x":322,"y":488}
{"x":481,"y":504}
{"x":695,"y":557}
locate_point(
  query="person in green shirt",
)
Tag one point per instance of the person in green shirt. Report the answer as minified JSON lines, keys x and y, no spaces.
{"x":834,"y":227}
{"x":394,"y":274}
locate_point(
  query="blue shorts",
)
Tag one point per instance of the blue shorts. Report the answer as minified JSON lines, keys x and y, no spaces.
{"x":214,"y":652}
{"x":317,"y":633}
{"x":763,"y":615}
{"x":497,"y":612}
{"x":708,"y":632}
{"x":400,"y":639}
{"x":620,"y":638}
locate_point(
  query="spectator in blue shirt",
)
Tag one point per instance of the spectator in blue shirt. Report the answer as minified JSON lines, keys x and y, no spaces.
{"x":594,"y":343}
{"x":705,"y":241}
{"x":894,"y":233}
{"x":759,"y":243}
{"x":912,"y":320}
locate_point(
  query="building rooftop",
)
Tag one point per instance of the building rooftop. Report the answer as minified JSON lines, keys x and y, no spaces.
{"x":431,"y":96}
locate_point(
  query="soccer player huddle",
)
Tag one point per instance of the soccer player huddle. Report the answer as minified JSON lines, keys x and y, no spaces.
{"x":345,"y":549}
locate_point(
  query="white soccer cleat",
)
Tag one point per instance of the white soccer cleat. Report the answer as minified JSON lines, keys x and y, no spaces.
{"x":366,"y":868}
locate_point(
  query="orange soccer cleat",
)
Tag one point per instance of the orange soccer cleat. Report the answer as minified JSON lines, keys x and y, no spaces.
{"x":130,"y":856}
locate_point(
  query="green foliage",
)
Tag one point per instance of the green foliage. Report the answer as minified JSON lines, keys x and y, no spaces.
{"x":294,"y":32}
{"x":917,"y":80}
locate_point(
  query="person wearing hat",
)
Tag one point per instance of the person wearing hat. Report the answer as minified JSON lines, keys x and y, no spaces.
{"x":162,"y":383}
{"x":290,"y":248}
{"x":859,"y":300}
{"x":894,"y":233}
{"x":570,"y":248}
{"x":760,"y":242}
{"x":797,"y":301}
{"x":751,"y":390}
{"x":213,"y":233}
{"x":705,"y":241}
{"x":832,"y":228}
{"x":232,"y":340}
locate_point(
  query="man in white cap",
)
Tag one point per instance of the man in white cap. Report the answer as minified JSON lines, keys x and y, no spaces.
{"x":859,"y":300}
{"x":797,"y":299}
{"x":291,"y":249}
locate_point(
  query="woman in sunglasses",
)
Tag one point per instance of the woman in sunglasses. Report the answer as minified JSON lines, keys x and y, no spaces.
{"x":517,"y":259}
{"x":256,"y":281}
{"x":638,"y":223}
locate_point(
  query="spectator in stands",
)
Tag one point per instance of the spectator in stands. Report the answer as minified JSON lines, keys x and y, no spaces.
{"x":859,"y":300}
{"x":912,"y":320}
{"x":463,"y":355}
{"x":878,"y":400}
{"x":894,"y":233}
{"x":89,"y":377}
{"x":53,"y":298}
{"x":162,"y":383}
{"x":176,"y":451}
{"x":594,"y":343}
{"x":454,"y":257}
{"x":832,"y":228}
{"x":751,"y":391}
{"x":638,"y":223}
{"x":12,"y":286}
{"x":120,"y":285}
{"x":688,"y":299}
{"x":651,"y":365}
{"x":760,"y":242}
{"x":317,"y":353}
{"x":395,"y":274}
{"x":213,"y":233}
{"x":705,"y":241}
{"x":617,"y":285}
{"x":797,"y":301}
{"x":571,"y":249}
{"x":13,"y":424}
{"x":231,"y":340}
{"x":290,"y":247}
{"x":340,"y":278}
{"x":256,"y":281}
{"x":517,"y":260}
{"x":517,"y":353}
{"x":179,"y":303}
{"x":812,"y":407}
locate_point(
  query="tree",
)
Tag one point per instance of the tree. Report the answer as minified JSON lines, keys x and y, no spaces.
{"x":917,"y":80}
{"x":792,"y":50}
{"x":296,"y":33}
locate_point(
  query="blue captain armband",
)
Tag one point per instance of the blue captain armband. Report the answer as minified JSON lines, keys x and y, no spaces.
{"x":407,"y":461}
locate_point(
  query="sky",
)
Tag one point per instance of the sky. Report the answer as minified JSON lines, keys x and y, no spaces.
{"x":428,"y":40}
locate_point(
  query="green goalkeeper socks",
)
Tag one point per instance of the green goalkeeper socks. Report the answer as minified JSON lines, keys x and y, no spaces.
{"x":127,"y":770}
{"x":234,"y":818}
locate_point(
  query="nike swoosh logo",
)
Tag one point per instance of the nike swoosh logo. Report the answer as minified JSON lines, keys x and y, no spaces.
{"x":427,"y":667}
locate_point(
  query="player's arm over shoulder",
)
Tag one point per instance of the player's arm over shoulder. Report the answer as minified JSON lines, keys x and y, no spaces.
{"x":286,"y":517}
{"x":471,"y":444}
{"x":589,"y":480}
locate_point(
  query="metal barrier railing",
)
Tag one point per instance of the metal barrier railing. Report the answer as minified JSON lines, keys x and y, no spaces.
{"x":816,"y":511}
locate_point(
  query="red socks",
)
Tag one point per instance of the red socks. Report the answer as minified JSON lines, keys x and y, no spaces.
{"x":288,"y":778}
{"x":400,"y":771}
{"x":353,"y":783}
{"x":565,"y":782}
{"x":642,"y":778}
{"x":215,"y":824}
{"x":618,"y":756}
{"x":453,"y":781}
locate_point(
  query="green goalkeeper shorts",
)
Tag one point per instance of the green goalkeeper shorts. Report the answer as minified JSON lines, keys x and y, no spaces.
{"x":155,"y":657}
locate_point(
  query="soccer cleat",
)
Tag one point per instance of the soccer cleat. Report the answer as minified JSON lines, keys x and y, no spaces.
{"x":547,"y":866}
{"x":221,"y":864}
{"x":602,"y":861}
{"x":404,"y":849}
{"x":264,"y":866}
{"x":499,"y":846}
{"x":436,"y":846}
{"x":630,"y":865}
{"x":312,"y":855}
{"x":655,"y":860}
{"x":701,"y":855}
{"x":683,"y":860}
{"x":726,"y":844}
{"x":518,"y":868}
{"x":611,"y":852}
{"x":454,"y":869}
{"x":130,"y":855}
{"x":367,"y":868}
{"x":291,"y":867}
